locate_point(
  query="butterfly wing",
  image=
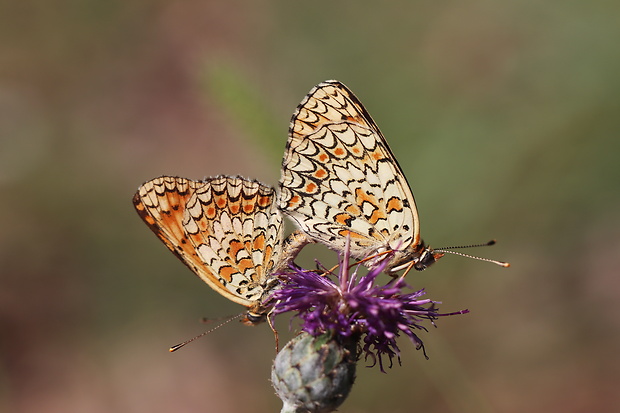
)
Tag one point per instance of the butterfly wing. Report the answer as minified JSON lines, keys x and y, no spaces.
{"x":227,"y":230}
{"x":339,"y":176}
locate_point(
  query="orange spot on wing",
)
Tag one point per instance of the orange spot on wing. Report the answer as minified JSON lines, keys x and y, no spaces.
{"x":245,"y":264}
{"x":343,"y":219}
{"x":353,"y":209}
{"x":362,"y":196}
{"x":320,"y":173}
{"x":311,"y":187}
{"x":268,"y":253}
{"x":235,"y":247}
{"x":227,"y":273}
{"x":376,"y":155}
{"x":221,"y":202}
{"x":394,"y":204}
{"x":248,"y":208}
{"x":210,"y":213}
{"x":264,"y":201}
{"x":323,"y":157}
{"x":353,"y":235}
{"x":339,"y":152}
{"x":294,"y":201}
{"x":259,"y":242}
{"x":377,"y":214}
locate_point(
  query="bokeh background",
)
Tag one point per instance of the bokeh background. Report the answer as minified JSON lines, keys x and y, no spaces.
{"x":505,"y":117}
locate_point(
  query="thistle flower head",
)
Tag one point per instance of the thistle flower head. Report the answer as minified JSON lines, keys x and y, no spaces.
{"x":357,"y":306}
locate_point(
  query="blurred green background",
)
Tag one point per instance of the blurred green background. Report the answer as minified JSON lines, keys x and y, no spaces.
{"x":504,"y":116}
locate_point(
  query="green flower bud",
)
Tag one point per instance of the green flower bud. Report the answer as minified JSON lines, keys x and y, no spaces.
{"x":314,"y":374}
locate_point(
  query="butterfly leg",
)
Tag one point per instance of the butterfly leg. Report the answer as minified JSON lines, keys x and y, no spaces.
{"x":291,"y":247}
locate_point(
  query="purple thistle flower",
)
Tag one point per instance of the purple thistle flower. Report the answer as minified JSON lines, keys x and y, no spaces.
{"x":355,"y":306}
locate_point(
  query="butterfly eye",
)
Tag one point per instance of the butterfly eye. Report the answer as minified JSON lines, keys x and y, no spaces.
{"x":427,"y":258}
{"x":251,"y":319}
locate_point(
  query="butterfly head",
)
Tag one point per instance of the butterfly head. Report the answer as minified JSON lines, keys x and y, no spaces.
{"x":417,"y":256}
{"x":257,"y":313}
{"x":252,"y":318}
{"x":422,"y":256}
{"x":427,"y":258}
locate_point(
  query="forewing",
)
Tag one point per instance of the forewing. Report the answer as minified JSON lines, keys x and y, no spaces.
{"x":160,"y":203}
{"x":339,"y":176}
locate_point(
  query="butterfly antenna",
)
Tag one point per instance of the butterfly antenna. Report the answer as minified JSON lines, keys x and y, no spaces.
{"x":183,"y":344}
{"x":486,"y":244}
{"x":208,"y":320}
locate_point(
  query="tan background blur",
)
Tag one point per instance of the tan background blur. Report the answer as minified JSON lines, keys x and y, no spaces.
{"x":504,"y":116}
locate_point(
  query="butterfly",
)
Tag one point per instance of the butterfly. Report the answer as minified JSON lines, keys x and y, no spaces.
{"x":227,"y":230}
{"x":340,"y":179}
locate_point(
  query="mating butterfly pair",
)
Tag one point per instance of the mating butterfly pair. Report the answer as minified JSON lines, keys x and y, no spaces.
{"x":339,"y":180}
